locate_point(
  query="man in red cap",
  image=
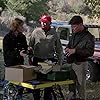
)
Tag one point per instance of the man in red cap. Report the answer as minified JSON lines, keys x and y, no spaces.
{"x":45,"y":22}
{"x":45,"y":44}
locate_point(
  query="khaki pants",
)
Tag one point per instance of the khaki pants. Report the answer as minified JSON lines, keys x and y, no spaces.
{"x":79,"y":75}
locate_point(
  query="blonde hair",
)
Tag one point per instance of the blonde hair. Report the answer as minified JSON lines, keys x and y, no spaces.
{"x":16,"y":23}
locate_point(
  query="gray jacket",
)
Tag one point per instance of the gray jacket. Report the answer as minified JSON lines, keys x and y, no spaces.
{"x":46,"y":45}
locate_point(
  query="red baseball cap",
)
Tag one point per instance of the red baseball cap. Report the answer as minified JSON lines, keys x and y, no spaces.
{"x":45,"y":18}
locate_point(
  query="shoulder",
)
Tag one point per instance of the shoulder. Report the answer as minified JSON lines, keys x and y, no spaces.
{"x":7,"y":36}
{"x":90,"y":35}
{"x":36,"y":30}
{"x":53,"y":30}
{"x":22,"y":35}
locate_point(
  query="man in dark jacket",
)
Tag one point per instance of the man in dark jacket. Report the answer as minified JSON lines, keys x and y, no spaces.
{"x":80,"y":47}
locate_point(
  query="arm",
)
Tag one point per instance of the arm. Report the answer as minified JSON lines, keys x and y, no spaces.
{"x":32,"y":41}
{"x":8,"y":49}
{"x":24,"y":44}
{"x":59,"y":50}
{"x":88,"y":50}
{"x":31,"y":48}
{"x":85,"y":48}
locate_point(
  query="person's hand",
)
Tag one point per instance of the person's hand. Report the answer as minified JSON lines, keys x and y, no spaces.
{"x":69,"y":51}
{"x":22,"y":53}
{"x":30,"y":48}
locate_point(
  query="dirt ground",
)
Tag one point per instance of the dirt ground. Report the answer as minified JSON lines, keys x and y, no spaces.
{"x":93,"y":90}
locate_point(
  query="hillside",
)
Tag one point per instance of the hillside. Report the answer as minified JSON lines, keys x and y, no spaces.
{"x":61,"y":10}
{"x":65,"y":9}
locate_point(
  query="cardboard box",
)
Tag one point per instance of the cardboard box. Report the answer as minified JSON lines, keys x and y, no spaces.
{"x":20,"y":73}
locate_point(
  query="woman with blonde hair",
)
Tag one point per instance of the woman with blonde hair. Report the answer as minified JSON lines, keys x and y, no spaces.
{"x":14,"y":46}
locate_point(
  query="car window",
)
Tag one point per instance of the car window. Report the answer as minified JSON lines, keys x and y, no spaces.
{"x":64,"y":33}
{"x":95,"y":32}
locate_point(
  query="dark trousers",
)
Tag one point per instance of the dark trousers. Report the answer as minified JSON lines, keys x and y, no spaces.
{"x":72,"y":87}
{"x":47,"y":91}
{"x":36,"y":93}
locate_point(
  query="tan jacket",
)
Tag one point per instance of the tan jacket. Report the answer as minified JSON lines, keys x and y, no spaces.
{"x":46,"y":45}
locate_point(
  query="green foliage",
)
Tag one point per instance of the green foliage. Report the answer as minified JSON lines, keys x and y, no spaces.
{"x":94,"y":5}
{"x":3,"y":4}
{"x":27,"y":8}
